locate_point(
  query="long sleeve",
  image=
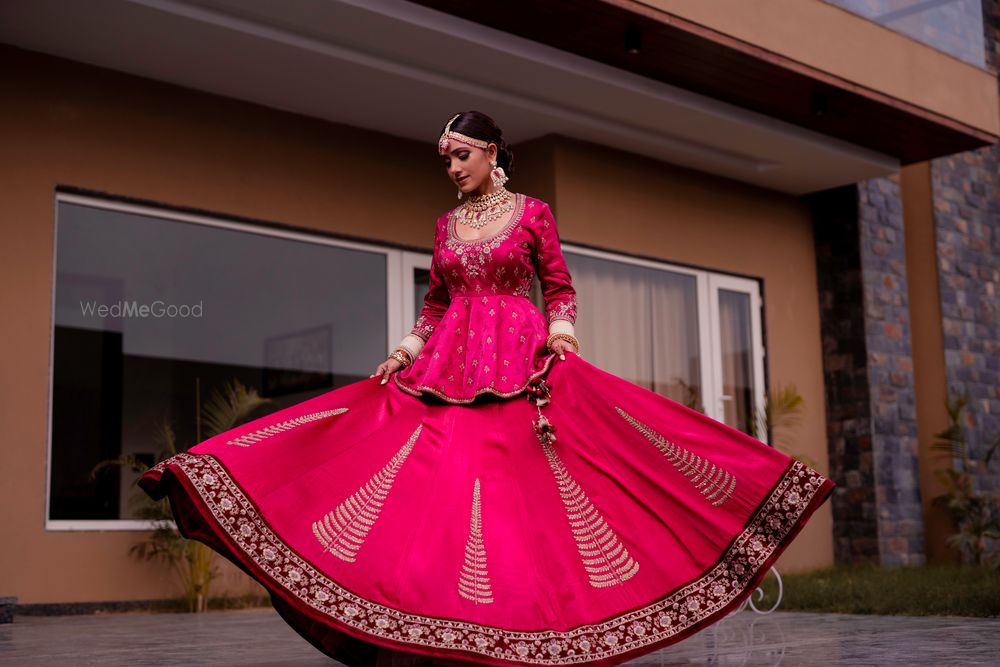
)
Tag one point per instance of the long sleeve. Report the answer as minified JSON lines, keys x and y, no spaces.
{"x":553,"y":274}
{"x":435,"y":301}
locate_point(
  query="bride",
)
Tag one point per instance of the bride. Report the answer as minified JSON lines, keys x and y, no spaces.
{"x":488,"y":496}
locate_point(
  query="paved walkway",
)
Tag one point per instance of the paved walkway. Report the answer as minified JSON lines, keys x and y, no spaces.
{"x":260,"y":638}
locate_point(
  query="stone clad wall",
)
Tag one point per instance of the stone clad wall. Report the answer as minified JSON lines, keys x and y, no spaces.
{"x":890,"y":373}
{"x":847,"y":395}
{"x":966,"y":190}
{"x":868,"y":369}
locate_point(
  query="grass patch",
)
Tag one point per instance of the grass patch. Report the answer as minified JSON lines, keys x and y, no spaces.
{"x":948,"y":590}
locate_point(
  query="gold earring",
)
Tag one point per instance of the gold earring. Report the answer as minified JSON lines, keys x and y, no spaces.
{"x":497,"y":176}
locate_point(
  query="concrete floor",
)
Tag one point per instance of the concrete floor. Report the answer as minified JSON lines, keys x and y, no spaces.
{"x":261,"y":638}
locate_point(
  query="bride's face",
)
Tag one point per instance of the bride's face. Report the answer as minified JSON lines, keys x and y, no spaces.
{"x":469,"y":167}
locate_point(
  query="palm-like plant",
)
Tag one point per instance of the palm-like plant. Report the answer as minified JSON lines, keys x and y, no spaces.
{"x":692,"y":395}
{"x":192,"y":561}
{"x":782,"y":409}
{"x":975,"y":513}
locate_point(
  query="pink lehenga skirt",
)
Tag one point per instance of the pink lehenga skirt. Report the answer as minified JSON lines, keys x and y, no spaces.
{"x":585,"y":522}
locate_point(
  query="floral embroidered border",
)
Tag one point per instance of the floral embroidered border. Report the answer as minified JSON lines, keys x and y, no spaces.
{"x":458,"y":244}
{"x":667,"y":617}
{"x":562,"y":310}
{"x":476,"y":254}
{"x":422,"y":328}
{"x":419,"y":389}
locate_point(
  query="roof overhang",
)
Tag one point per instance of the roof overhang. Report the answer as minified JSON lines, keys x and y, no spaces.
{"x":403,"y":68}
{"x":694,"y":57}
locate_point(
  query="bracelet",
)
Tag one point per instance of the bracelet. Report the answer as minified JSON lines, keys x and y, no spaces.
{"x":570,"y":338}
{"x":407,"y":352}
{"x":402,"y":355}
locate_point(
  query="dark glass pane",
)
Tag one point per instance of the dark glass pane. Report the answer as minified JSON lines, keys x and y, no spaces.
{"x":737,"y":359}
{"x":288,"y":318}
{"x":421,"y":285}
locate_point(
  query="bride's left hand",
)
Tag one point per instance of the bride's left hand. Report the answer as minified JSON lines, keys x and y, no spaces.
{"x":561,"y":346}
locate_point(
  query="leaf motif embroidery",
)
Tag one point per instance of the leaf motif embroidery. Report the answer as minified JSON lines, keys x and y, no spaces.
{"x":602,"y":553}
{"x":713,"y":482}
{"x":342,"y":531}
{"x":667,"y":618}
{"x":474,"y":581}
{"x":266,"y":432}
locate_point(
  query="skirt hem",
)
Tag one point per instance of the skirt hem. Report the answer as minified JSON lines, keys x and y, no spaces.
{"x":187,"y":480}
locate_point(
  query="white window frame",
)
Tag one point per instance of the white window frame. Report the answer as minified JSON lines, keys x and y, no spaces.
{"x":716,"y":282}
{"x":397,"y":302}
{"x":407,"y":310}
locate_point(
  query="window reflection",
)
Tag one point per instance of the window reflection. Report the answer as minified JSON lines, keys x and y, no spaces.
{"x":737,"y":359}
{"x":421,"y":285}
{"x":288,"y":318}
{"x":952,"y":26}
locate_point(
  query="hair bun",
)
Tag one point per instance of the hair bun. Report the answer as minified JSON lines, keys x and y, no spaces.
{"x":509,"y":154}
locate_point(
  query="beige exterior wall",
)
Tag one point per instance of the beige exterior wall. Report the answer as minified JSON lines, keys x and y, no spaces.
{"x":927,"y":339}
{"x":854,"y":49}
{"x":70,"y":124}
{"x":65,"y":123}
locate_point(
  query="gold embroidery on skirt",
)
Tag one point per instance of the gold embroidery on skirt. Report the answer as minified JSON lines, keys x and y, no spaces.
{"x":474,"y":581}
{"x":343,"y":530}
{"x":709,"y":478}
{"x":707,"y":595}
{"x":602,"y":553}
{"x":268,"y":431}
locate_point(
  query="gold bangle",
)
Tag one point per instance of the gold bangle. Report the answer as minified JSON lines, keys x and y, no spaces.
{"x":570,"y":338}
{"x":402,"y":356}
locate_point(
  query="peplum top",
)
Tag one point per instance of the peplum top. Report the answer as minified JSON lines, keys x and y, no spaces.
{"x":483,"y":333}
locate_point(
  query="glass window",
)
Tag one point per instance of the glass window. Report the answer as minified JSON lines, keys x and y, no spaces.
{"x":640,"y":323}
{"x":691,"y":335}
{"x":421,"y":285}
{"x":153,"y":314}
{"x":952,"y":26}
{"x":736,"y":359}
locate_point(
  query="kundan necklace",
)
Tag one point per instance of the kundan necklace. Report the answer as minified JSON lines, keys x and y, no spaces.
{"x":479,"y":210}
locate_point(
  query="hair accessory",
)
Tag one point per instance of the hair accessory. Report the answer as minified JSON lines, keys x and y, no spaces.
{"x":458,"y":136}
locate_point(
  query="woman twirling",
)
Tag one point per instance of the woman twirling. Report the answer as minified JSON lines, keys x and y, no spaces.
{"x":488,"y":496}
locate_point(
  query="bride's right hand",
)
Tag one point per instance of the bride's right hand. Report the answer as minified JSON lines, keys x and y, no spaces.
{"x":387,"y":368}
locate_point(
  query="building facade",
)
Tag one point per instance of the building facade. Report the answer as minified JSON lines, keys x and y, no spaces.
{"x":752,"y":198}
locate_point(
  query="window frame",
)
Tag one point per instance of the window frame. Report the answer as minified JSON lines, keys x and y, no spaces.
{"x":721,"y":281}
{"x":407,"y":309}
